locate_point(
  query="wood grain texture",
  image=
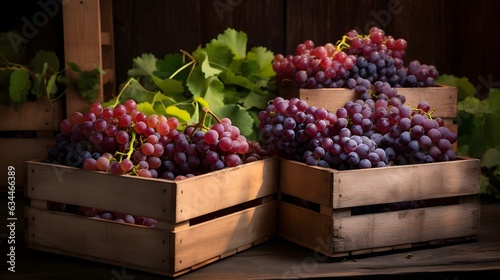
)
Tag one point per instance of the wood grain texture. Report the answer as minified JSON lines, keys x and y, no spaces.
{"x":166,"y":200}
{"x":281,"y":259}
{"x":442,"y":99}
{"x":82,"y":45}
{"x":350,"y":188}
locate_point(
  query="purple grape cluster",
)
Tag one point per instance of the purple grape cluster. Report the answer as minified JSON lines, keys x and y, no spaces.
{"x":361,"y":134}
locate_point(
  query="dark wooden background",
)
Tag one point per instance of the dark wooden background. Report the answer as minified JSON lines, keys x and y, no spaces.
{"x":459,"y":37}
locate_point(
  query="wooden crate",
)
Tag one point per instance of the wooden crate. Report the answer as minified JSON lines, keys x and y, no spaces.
{"x":442,"y":99}
{"x":26,"y":134}
{"x":200,"y":219}
{"x":319,"y":207}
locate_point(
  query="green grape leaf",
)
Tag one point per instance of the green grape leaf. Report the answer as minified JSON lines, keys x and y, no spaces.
{"x":463,"y":85}
{"x":51,"y":84}
{"x":180,"y":114}
{"x":39,"y":81}
{"x":19,"y":88}
{"x":492,"y":120}
{"x":42,"y":57}
{"x":160,"y":97}
{"x":235,"y":40}
{"x":146,"y":108}
{"x":169,"y":65}
{"x":485,"y":185}
{"x":473,"y":105}
{"x":74,"y":67}
{"x":196,"y":82}
{"x":264,"y":59}
{"x":4,"y":87}
{"x":238,"y":116}
{"x":201,"y":101}
{"x":144,"y":65}
{"x":135,"y":91}
{"x":211,"y":89}
{"x":255,"y":100}
{"x":219,"y":53}
{"x":491,"y":158}
{"x":208,"y":70}
{"x":168,"y":86}
{"x":214,"y":94}
{"x":88,"y":84}
{"x":229,"y":77}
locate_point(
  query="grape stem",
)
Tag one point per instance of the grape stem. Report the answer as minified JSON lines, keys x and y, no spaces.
{"x":342,"y":44}
{"x":201,"y":124}
{"x":130,"y":149}
{"x":192,"y":62}
{"x":429,"y":114}
{"x":122,"y":90}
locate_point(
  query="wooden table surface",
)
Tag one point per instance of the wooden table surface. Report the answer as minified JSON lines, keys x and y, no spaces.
{"x":280,"y":259}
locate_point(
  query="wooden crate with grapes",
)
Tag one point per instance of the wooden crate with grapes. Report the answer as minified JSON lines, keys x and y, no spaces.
{"x":361,"y":67}
{"x":184,"y":224}
{"x":160,"y":199}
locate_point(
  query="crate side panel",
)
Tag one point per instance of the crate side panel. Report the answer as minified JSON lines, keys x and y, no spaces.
{"x":305,"y":227}
{"x":410,"y":182}
{"x":405,"y":227}
{"x":227,"y":187}
{"x":95,"y":239}
{"x":19,"y":150}
{"x":217,"y":237}
{"x":125,"y":194}
{"x":306,"y":182}
{"x":39,"y":115}
{"x":442,"y":98}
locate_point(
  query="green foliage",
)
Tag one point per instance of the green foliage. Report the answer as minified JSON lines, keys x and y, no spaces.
{"x":479,"y":130}
{"x":221,"y":75}
{"x":22,"y":79}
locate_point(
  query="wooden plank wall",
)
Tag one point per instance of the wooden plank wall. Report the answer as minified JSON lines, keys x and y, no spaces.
{"x":458,"y":36}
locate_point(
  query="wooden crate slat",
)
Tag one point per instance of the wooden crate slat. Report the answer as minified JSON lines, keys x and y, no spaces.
{"x":409,"y":182}
{"x":442,"y":98}
{"x":364,"y":234}
{"x":408,"y":226}
{"x":125,"y":194}
{"x":39,"y":115}
{"x":19,"y":150}
{"x":97,"y":239}
{"x":350,"y":188}
{"x":166,"y":200}
{"x":217,"y":237}
{"x":305,"y":227}
{"x":294,"y":181}
{"x":217,"y":190}
{"x":164,"y":252}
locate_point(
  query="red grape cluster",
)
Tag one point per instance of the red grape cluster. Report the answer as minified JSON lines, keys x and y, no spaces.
{"x":372,"y":57}
{"x":123,"y":140}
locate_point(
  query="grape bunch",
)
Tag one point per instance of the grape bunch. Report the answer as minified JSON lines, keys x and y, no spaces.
{"x":291,"y":129}
{"x":123,"y":140}
{"x":361,"y":134}
{"x":372,"y":57}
